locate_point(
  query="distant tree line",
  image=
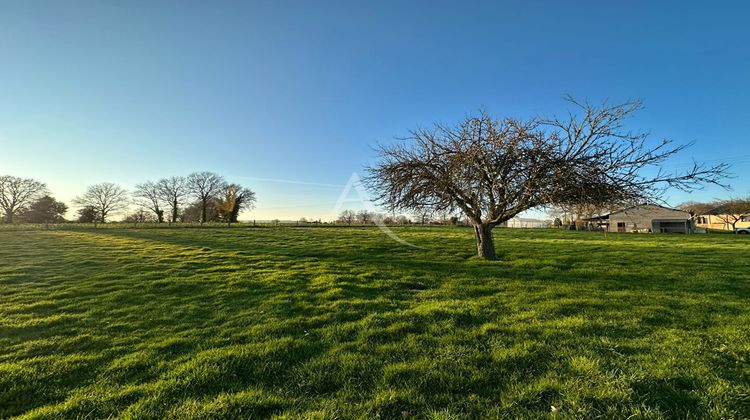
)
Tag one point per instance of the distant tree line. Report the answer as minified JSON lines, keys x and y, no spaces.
{"x":199,"y":197}
{"x":365,"y":217}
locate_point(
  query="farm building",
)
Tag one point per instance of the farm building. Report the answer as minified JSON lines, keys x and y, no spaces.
{"x":646,"y":218}
{"x":526,"y":223}
{"x":722,"y":221}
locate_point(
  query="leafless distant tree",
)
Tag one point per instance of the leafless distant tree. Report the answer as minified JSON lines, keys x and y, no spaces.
{"x":364,"y":217}
{"x":173,"y":191}
{"x":233,"y":199}
{"x":17,"y":193}
{"x":104,"y":198}
{"x":731,"y":211}
{"x":347,"y":216}
{"x":578,"y":213}
{"x":423,"y":215}
{"x":139,"y":216}
{"x":191,"y":212}
{"x":443,"y":217}
{"x":205,"y":186}
{"x":402,"y":220}
{"x":492,"y":170}
{"x":149,"y":196}
{"x":696,"y":208}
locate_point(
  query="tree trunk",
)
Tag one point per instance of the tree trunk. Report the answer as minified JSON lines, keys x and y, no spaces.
{"x":204,"y":203}
{"x":485,"y":243}
{"x":234,"y":214}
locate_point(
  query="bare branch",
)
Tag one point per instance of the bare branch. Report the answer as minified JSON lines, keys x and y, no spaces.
{"x":17,"y":193}
{"x":104,"y":198}
{"x":493,"y":169}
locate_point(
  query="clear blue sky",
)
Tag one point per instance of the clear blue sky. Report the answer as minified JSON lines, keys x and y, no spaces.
{"x":135,"y":90}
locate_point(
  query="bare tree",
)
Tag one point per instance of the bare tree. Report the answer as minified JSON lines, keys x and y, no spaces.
{"x":173,"y":191}
{"x":696,"y":208}
{"x":347,"y":216}
{"x":233,"y":199}
{"x":364,"y":217}
{"x":139,"y":216}
{"x":17,"y":193}
{"x":423,"y":215}
{"x":150,"y":196}
{"x":492,"y":170}
{"x":443,"y":217}
{"x":731,"y":211}
{"x":402,"y":220}
{"x":204,"y":186}
{"x":578,"y":214}
{"x":192,"y":211}
{"x":104,"y":198}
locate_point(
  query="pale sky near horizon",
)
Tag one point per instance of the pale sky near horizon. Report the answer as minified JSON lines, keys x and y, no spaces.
{"x":289,"y":97}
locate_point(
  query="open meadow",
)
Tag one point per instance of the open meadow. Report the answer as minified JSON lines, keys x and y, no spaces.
{"x":344,"y":322}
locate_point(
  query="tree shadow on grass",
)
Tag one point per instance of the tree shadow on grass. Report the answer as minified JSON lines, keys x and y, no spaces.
{"x":382,"y":305}
{"x":673,"y":397}
{"x":369,"y":253}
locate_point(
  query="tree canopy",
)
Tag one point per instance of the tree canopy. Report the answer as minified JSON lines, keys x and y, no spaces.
{"x":233,"y":199}
{"x":104,"y":198}
{"x":45,"y":210}
{"x":17,"y":193}
{"x":205,"y":186}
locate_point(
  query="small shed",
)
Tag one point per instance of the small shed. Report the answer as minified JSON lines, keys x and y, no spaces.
{"x":647,"y":218}
{"x":527,"y":223}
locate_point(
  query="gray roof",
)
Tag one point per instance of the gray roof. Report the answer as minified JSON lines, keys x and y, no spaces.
{"x":606,"y":216}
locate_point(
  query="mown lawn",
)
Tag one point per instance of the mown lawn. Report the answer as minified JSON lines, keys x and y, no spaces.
{"x":343,"y":322}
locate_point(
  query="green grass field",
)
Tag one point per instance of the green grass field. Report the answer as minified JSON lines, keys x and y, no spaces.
{"x":343,"y":322}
